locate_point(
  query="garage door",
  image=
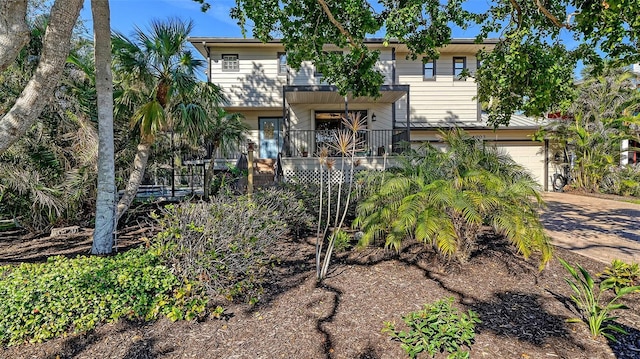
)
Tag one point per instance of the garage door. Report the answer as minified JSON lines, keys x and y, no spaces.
{"x":530,"y":155}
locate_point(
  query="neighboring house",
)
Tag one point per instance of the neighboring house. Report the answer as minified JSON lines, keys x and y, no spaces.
{"x":292,"y":112}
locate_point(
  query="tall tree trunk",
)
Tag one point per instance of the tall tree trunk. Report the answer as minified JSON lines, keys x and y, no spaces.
{"x":139,"y":166}
{"x":44,"y":81}
{"x":105,"y":202}
{"x":14,"y":32}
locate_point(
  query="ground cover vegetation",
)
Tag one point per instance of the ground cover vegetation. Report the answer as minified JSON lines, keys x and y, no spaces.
{"x":46,"y":300}
{"x":437,"y":328}
{"x":219,"y":250}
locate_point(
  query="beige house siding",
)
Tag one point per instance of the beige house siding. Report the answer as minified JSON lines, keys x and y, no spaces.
{"x":303,"y":115}
{"x":442,"y":100}
{"x":256,"y":84}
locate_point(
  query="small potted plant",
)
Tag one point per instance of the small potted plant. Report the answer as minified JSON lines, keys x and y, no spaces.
{"x":303,"y":151}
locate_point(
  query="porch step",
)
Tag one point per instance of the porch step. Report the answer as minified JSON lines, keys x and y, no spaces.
{"x":264,"y":166}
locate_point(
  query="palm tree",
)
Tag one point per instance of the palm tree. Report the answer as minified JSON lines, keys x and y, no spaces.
{"x":48,"y":177}
{"x":444,"y":199}
{"x":160,"y":89}
{"x":604,"y":113}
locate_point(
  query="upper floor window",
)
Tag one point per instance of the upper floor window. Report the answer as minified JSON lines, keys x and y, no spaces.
{"x":230,"y":63}
{"x":429,"y":70}
{"x":459,"y":66}
{"x":282,"y":63}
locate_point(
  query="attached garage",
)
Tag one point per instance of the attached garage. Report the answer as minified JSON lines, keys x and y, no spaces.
{"x":516,"y":140}
{"x":530,"y":155}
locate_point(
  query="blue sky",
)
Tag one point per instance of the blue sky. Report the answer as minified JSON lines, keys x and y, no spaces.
{"x":126,"y":14}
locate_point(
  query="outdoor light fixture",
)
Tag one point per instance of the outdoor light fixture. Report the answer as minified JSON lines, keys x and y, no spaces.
{"x":373,"y":116}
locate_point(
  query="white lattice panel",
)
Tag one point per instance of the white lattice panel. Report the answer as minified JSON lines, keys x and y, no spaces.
{"x":313,"y":176}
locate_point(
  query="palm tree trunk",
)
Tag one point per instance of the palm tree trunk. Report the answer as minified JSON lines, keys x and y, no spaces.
{"x":40,"y":87}
{"x":135,"y":179}
{"x":105,"y":201}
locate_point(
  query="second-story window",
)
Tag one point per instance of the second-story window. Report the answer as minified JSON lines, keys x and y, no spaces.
{"x":282,"y":63}
{"x":429,"y":70}
{"x":459,"y":65}
{"x":230,"y":63}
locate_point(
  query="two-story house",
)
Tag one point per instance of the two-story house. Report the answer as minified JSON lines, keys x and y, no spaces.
{"x":293,"y":112}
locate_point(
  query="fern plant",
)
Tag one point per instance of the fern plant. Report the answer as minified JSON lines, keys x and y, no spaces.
{"x":444,"y":198}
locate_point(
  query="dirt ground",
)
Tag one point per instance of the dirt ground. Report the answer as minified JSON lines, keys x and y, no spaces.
{"x":523,"y":311}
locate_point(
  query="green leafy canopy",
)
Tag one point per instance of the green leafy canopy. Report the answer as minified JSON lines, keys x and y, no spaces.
{"x":529,"y":71}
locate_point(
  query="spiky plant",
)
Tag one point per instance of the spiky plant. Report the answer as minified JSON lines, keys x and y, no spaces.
{"x":346,"y":143}
{"x":444,"y":198}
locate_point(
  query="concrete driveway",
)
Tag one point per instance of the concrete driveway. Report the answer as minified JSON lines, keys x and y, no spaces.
{"x":601,"y":229}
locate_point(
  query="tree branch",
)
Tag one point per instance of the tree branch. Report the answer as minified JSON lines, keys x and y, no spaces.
{"x":42,"y":84}
{"x":14,"y":32}
{"x":336,"y":23}
{"x":518,"y":11}
{"x":550,"y":16}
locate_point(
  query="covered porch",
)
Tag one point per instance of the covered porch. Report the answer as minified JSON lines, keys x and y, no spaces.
{"x":312,"y":116}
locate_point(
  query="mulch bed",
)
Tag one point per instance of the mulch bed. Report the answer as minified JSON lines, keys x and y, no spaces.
{"x":523,"y":311}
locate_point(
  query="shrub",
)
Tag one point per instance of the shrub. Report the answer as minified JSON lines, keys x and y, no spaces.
{"x":45,"y":300}
{"x":435,"y":329}
{"x":594,"y":310}
{"x":290,"y":209}
{"x":223,"y":244}
{"x":308,"y":193}
{"x":444,"y":199}
{"x":623,"y":181}
{"x":621,"y":274}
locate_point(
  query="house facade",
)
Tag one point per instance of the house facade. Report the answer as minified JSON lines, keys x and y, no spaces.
{"x":292,"y":113}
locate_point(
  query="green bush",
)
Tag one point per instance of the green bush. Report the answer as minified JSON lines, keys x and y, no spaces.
{"x":435,"y":329}
{"x":309,"y":194}
{"x":621,"y":274}
{"x":290,"y":209}
{"x":224,"y":244}
{"x":594,"y":310}
{"x":45,"y":300}
{"x":623,"y":181}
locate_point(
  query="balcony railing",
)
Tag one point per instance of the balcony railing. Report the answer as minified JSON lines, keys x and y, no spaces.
{"x":371,"y":142}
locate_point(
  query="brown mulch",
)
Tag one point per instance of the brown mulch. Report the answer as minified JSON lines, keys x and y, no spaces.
{"x":523,"y":311}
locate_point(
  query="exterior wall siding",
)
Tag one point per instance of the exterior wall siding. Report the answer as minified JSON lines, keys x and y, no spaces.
{"x":444,"y":100}
{"x":256,"y":84}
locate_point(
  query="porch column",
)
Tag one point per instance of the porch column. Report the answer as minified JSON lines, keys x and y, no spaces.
{"x":408,"y":116}
{"x":285,"y":122}
{"x":624,"y":153}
